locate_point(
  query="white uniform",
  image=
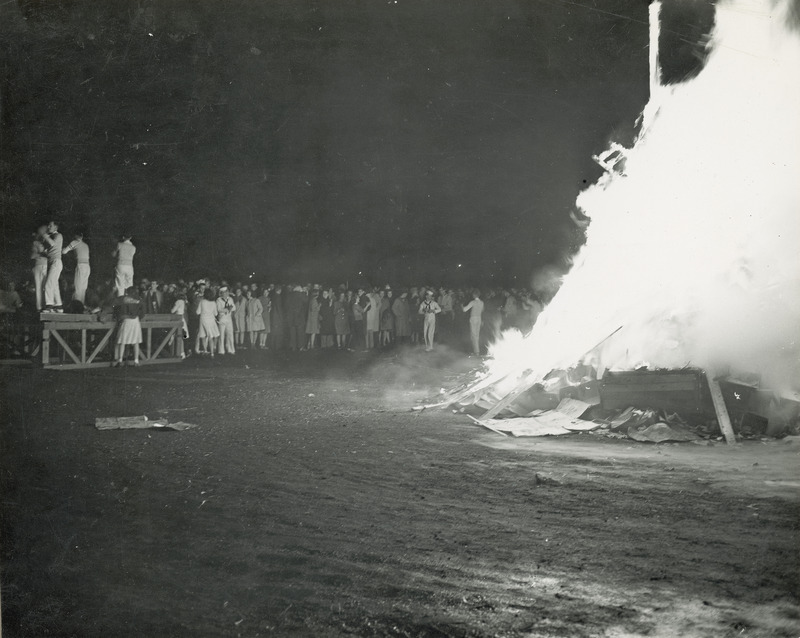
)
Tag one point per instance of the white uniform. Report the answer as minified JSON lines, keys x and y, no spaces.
{"x":82,"y":269}
{"x":52,"y":293}
{"x":429,"y":309}
{"x":39,"y":256}
{"x":476,"y":311}
{"x":124,"y":270}
{"x":225,"y":309}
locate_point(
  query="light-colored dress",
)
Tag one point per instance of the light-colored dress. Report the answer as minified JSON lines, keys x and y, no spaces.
{"x":240,"y":314}
{"x":374,"y":313}
{"x":208,"y":314}
{"x":255,"y":316}
{"x":179,"y":308}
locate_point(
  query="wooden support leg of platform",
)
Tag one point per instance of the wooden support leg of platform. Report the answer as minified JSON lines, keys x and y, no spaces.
{"x":722,"y":412}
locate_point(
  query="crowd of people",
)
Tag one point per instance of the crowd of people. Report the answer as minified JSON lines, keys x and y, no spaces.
{"x":221,"y":317}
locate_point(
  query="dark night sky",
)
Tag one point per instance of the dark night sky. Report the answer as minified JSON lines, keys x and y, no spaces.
{"x":319,"y":139}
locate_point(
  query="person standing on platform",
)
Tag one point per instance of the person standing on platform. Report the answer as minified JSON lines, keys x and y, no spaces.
{"x":54,"y":243}
{"x":475,"y":308}
{"x":124,"y":253}
{"x":39,"y":257}
{"x":429,"y":309}
{"x":82,"y":268}
{"x":225,"y":309}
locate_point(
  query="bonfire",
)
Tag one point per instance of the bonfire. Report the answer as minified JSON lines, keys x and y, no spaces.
{"x":690,"y":260}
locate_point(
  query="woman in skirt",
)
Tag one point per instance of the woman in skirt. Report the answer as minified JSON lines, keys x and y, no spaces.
{"x":240,"y":318}
{"x":254,"y":319}
{"x":207,"y":331}
{"x":128,"y":311}
{"x":313,"y":319}
{"x":341,"y":321}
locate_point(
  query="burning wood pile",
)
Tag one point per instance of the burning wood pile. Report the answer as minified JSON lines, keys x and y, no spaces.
{"x":689,"y":266}
{"x":644,"y":405}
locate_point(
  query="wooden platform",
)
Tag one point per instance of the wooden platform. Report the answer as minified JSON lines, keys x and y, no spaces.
{"x":87,"y":341}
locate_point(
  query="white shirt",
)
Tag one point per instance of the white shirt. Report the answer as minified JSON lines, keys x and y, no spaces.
{"x":81,"y":250}
{"x":475,"y":307}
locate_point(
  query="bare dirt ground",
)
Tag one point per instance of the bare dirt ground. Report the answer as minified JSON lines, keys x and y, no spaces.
{"x":310,"y":501}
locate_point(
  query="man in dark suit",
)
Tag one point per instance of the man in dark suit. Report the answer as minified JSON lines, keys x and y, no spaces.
{"x":153,"y":300}
{"x":296,"y":308}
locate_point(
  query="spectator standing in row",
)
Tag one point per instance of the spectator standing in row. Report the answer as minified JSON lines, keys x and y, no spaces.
{"x":153,"y":299}
{"x":82,"y":267}
{"x":53,"y":242}
{"x":194,"y":298}
{"x":254,"y":317}
{"x":240,"y":317}
{"x":277,"y":319}
{"x":10,"y":301}
{"x":123,"y":272}
{"x":387,"y":318}
{"x":312,"y":322}
{"x":415,"y":318}
{"x":475,"y":309}
{"x":447,"y":316}
{"x":266,"y":305}
{"x":207,"y":331}
{"x":327,"y":325}
{"x":39,"y":257}
{"x":341,"y":321}
{"x":128,"y":311}
{"x":429,"y":309}
{"x":373,"y":317}
{"x":357,"y":310}
{"x":179,"y":307}
{"x":295,"y":316}
{"x":225,"y":309}
{"x":402,"y":323}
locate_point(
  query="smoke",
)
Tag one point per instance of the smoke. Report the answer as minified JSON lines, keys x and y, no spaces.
{"x":691,"y":254}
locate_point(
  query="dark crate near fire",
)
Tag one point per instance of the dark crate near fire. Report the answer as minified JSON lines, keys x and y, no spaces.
{"x":681,"y":391}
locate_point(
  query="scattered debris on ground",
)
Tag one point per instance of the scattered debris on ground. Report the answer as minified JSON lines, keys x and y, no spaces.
{"x":139,"y":423}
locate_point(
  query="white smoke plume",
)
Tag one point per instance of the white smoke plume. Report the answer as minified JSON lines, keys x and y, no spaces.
{"x":693,"y":251}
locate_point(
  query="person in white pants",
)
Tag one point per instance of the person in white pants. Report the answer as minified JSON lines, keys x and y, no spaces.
{"x":39,"y":257}
{"x":82,"y":268}
{"x":53,"y":242}
{"x":429,"y":308}
{"x":225,"y":309}
{"x":475,"y":308}
{"x":124,"y":253}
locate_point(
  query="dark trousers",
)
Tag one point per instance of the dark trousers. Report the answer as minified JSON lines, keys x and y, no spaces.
{"x":297,"y":337}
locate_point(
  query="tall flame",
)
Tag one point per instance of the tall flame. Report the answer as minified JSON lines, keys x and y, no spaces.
{"x":693,"y":252}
